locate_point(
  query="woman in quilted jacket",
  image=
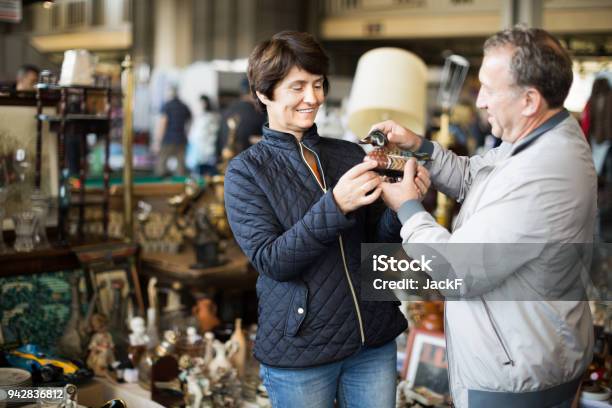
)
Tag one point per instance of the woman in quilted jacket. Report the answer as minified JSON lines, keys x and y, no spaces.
{"x":299,"y":206}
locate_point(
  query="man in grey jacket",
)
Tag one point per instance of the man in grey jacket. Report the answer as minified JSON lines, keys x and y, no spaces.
{"x":538,"y":186}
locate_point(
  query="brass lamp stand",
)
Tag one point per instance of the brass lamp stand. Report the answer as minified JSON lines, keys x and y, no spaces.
{"x":128,"y":171}
{"x":453,"y":76}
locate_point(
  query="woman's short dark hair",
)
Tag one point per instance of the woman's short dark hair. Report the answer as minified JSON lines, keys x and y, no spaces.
{"x":272,"y":60}
{"x":539,"y":60}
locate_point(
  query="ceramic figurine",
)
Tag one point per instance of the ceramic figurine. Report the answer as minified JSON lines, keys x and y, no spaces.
{"x":198,"y":386}
{"x":152,"y":328}
{"x":206,"y":312}
{"x":390,"y":158}
{"x":238,"y":359}
{"x":138,"y":337}
{"x":101,"y":354}
{"x":138,"y":340}
{"x":209,"y":352}
{"x":192,"y":335}
{"x":221,"y":364}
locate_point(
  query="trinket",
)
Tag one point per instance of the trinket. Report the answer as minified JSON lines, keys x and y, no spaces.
{"x":390,"y":158}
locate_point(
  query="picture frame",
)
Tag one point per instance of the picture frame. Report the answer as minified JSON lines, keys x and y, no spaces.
{"x":425,"y":364}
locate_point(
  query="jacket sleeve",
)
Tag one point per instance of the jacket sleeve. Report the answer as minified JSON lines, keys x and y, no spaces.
{"x":499,"y":239}
{"x":382,"y":223}
{"x":452,"y":174}
{"x":281,"y":255}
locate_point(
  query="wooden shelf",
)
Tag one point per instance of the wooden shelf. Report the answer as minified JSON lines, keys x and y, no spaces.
{"x":73,"y":117}
{"x":54,"y":259}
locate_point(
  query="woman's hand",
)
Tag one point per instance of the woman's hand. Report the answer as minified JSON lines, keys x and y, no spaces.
{"x":351,"y":191}
{"x":399,"y":135}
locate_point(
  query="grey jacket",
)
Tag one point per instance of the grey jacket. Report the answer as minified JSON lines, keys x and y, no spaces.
{"x":542,"y":189}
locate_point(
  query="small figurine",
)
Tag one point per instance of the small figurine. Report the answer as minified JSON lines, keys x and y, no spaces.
{"x":101,"y":345}
{"x":138,"y":340}
{"x":240,"y":343}
{"x":152,"y":321}
{"x":390,"y":158}
{"x":198,"y":386}
{"x":192,"y":335}
{"x":70,"y":397}
{"x":221,"y":365}
{"x":138,"y":337}
{"x":206,"y":241}
{"x":206,"y":312}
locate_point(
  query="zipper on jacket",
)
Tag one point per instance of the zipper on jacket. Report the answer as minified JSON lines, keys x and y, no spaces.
{"x":448,"y":353}
{"x":348,"y":276}
{"x":499,"y":338}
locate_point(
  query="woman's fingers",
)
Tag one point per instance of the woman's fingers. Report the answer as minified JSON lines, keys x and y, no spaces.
{"x":373,"y":196}
{"x":370,"y":185}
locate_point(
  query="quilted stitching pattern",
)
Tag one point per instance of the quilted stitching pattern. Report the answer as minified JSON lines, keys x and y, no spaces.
{"x":289,"y":228}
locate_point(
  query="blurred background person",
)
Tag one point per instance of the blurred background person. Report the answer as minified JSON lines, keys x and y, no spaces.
{"x":250,"y":121}
{"x":172,"y":131}
{"x":599,"y":132}
{"x":27,"y":76}
{"x":201,"y":157}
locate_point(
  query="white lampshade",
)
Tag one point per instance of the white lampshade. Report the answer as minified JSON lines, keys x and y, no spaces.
{"x":390,"y":83}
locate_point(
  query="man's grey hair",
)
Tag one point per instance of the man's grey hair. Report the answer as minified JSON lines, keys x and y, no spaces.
{"x":539,"y":60}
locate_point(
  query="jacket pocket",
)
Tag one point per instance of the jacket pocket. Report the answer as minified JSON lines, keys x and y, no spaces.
{"x":500,"y":340}
{"x":298,"y":308}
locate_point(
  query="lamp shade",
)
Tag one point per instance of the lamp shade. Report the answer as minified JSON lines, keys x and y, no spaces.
{"x":390,"y":83}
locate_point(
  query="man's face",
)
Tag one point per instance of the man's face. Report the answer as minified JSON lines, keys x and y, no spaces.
{"x":499,"y":96}
{"x":296,"y":101}
{"x":27,"y":81}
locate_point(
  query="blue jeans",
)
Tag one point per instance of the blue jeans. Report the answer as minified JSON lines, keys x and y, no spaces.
{"x":366,"y":379}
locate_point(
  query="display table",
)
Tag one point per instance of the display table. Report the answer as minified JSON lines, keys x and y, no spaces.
{"x":100,"y":390}
{"x":168,"y":268}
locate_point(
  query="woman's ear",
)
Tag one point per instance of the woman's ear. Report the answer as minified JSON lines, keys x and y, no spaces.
{"x":263,"y":98}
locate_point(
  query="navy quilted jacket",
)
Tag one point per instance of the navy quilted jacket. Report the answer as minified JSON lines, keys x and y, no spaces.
{"x":306,"y":251}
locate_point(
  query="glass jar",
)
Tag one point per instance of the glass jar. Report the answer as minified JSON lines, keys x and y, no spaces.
{"x":40,"y":206}
{"x":25,"y":225}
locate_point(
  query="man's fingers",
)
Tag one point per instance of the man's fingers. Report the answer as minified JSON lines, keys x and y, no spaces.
{"x":421,"y":186}
{"x":423,"y":175}
{"x":410,"y":169}
{"x":384,"y":127}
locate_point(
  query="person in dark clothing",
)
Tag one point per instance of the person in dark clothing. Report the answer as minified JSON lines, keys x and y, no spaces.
{"x":27,"y":76}
{"x":300,"y":206}
{"x":250,"y":121}
{"x":600,"y":135}
{"x":172,"y":131}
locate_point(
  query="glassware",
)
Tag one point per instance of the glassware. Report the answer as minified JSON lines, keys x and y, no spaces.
{"x":40,"y":206}
{"x":2,"y":213}
{"x":25,"y":225}
{"x":47,"y":77}
{"x":21,"y":164}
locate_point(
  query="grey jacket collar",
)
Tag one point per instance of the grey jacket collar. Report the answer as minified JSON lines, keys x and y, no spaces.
{"x":539,"y":131}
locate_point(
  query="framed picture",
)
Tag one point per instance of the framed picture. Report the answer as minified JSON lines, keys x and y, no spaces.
{"x":425,"y":364}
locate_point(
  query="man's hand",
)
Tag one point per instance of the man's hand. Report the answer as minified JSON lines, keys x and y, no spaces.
{"x":396,"y":133}
{"x":352,"y":189}
{"x":413,"y":186}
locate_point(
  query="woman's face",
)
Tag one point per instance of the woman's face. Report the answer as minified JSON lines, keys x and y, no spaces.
{"x":296,"y":101}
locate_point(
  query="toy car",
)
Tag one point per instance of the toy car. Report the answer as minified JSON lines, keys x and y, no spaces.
{"x":46,"y":367}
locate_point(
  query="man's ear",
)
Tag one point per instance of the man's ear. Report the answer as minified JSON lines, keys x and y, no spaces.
{"x":532,"y":102}
{"x":263,"y":98}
